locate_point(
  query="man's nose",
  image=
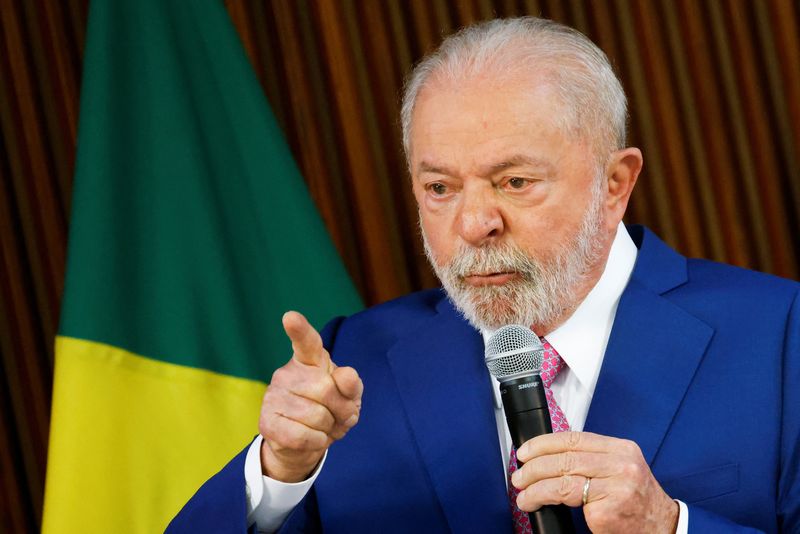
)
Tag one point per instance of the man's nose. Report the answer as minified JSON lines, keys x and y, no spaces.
{"x":480,"y":218}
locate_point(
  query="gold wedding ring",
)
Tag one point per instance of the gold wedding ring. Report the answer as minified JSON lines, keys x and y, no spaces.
{"x":586,"y":491}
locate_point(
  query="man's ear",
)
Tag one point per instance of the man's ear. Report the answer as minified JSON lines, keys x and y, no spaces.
{"x":621,"y":173}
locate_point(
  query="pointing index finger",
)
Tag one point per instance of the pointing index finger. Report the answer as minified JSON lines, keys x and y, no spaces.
{"x":306,"y":342}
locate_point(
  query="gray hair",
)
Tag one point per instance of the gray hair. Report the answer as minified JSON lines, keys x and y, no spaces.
{"x":594,"y":102}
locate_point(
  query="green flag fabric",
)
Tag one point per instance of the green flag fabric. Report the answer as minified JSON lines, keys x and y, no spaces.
{"x":191,"y":233}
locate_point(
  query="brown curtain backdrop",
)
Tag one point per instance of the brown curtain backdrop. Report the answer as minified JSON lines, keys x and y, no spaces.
{"x":714,"y":88}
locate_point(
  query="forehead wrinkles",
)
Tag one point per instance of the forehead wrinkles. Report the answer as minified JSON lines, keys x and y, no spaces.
{"x":451,"y":112}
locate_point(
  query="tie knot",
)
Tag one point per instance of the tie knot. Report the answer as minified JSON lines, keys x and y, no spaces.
{"x":552,"y":364}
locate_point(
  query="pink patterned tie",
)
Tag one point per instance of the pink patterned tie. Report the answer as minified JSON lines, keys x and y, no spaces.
{"x":551,"y":365}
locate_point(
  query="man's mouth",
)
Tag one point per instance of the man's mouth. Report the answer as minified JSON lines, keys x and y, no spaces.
{"x":490,"y":279}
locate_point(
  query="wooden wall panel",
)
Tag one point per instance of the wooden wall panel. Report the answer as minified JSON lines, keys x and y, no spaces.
{"x":703,"y":106}
{"x":714,"y":89}
{"x":40,"y":50}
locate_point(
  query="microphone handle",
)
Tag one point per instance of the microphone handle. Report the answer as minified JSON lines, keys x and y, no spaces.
{"x":527,"y":415}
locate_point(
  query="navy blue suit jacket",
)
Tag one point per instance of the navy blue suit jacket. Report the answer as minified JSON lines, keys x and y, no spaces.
{"x":702,"y":370}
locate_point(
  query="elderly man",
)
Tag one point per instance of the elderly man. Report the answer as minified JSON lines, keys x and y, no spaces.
{"x":675,"y":381}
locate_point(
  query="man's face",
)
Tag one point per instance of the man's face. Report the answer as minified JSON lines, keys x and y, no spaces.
{"x":512,"y":223}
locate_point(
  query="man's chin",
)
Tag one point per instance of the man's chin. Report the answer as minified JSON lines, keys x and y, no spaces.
{"x":493,"y":315}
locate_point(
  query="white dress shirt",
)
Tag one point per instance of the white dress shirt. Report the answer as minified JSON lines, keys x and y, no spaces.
{"x":581,"y":341}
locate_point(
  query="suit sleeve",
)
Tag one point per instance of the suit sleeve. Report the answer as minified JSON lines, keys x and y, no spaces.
{"x":220,"y":504}
{"x":789,"y":485}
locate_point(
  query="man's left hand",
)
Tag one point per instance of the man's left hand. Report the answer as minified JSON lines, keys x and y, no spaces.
{"x":623,"y":495}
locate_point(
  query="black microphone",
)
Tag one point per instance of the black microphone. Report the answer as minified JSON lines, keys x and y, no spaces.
{"x":514,"y":356}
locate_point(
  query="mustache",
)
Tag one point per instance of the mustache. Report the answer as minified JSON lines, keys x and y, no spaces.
{"x":505,"y":258}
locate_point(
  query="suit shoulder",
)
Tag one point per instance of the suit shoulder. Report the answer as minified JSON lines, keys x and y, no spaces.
{"x":402,"y":310}
{"x":714,"y":275}
{"x":724,"y":291}
{"x":667,"y":272}
{"x":379,"y":325}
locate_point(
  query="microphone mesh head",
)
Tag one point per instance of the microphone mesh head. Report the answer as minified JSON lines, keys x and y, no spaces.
{"x":514,"y":351}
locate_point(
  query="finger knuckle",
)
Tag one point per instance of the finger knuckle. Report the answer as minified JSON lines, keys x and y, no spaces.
{"x":567,"y":463}
{"x":318,"y":389}
{"x":631,"y":448}
{"x":279,"y":377}
{"x":319,"y":416}
{"x":285,"y":435}
{"x":352,"y":421}
{"x":633,"y":470}
{"x":341,"y":408}
{"x":274,"y":400}
{"x":338,"y":432}
{"x":296,"y":440}
{"x":276,"y":439}
{"x":627,"y":493}
{"x":573,"y":440}
{"x":354,"y":407}
{"x":565,"y":486}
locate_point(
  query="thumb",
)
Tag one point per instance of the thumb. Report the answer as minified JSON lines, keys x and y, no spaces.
{"x":348,"y":382}
{"x":306,"y":343}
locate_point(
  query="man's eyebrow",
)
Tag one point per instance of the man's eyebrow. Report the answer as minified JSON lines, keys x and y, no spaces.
{"x":426,"y":167}
{"x":517,"y":160}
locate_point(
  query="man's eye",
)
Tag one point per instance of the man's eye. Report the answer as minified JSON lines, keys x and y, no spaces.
{"x":517,"y":183}
{"x":438,"y":188}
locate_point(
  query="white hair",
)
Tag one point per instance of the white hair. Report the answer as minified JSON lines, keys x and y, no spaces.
{"x":594,"y":103}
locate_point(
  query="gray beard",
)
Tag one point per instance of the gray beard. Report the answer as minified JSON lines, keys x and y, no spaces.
{"x":543,"y":290}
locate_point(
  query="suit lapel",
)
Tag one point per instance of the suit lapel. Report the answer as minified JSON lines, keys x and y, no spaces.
{"x":653,"y":352}
{"x":446,"y":392}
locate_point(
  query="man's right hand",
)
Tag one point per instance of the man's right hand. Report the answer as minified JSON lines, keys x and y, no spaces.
{"x":309,"y":404}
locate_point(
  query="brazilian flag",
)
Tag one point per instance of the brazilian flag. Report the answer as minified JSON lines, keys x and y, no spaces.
{"x":191,"y":233}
